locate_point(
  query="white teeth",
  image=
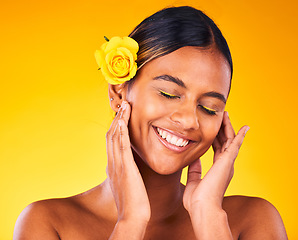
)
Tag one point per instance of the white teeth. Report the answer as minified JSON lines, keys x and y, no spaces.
{"x":161,"y":133}
{"x":169,"y":137}
{"x":180,"y":142}
{"x":174,"y":140}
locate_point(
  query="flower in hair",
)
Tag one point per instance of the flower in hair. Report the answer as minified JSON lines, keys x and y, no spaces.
{"x":117,"y":59}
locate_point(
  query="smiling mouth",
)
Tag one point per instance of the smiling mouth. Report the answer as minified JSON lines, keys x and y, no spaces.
{"x":172,"y":139}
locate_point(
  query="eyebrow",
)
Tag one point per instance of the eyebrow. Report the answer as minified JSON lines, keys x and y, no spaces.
{"x":180,"y":83}
{"x":216,"y":95}
{"x":169,"y":78}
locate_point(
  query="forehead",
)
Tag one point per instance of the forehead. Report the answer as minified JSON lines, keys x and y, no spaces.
{"x":204,"y":69}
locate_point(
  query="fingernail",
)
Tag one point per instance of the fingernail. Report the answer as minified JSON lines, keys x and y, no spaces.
{"x":123,"y":105}
{"x":247,"y":129}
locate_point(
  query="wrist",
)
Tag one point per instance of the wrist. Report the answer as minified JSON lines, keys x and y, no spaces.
{"x":204,"y":205}
{"x":210,"y":222}
{"x":129,"y":229}
{"x":132,"y":227}
{"x":136,"y":222}
{"x":203,"y":210}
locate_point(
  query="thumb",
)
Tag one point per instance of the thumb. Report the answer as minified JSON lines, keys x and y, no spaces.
{"x":194,"y":171}
{"x":125,"y":115}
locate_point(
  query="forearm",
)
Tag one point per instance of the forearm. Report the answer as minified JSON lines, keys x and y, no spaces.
{"x":129,"y":230}
{"x":210,"y":223}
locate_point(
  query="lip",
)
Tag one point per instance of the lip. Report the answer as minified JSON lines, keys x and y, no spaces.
{"x":171,"y":146}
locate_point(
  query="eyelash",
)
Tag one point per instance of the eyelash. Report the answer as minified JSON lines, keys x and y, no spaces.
{"x":170,"y":96}
{"x":167,"y":95}
{"x":208,"y":110}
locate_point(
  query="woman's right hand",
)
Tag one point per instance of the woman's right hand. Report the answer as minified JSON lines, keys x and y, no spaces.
{"x":123,"y":174}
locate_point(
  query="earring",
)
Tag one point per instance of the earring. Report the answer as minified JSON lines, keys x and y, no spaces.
{"x":111,"y":99}
{"x":118,"y":105}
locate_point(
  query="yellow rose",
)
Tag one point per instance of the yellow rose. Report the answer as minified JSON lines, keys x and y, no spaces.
{"x":117,"y":59}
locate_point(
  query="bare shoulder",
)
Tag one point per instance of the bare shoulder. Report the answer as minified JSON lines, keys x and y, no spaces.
{"x":35,"y":222}
{"x":77,"y":217}
{"x":254,"y":218}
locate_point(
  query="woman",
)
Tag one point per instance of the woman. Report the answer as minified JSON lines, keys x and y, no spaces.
{"x":168,"y":115}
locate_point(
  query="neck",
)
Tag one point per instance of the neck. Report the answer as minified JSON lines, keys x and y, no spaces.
{"x":165,"y":192}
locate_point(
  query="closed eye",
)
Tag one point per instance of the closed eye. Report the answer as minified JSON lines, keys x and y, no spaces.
{"x":168,"y":95}
{"x":209,"y":111}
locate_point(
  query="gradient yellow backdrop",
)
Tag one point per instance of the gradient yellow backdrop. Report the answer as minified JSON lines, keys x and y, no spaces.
{"x":54,"y":105}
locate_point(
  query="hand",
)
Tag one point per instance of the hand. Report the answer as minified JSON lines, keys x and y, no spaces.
{"x":210,"y":190}
{"x":123,"y":174}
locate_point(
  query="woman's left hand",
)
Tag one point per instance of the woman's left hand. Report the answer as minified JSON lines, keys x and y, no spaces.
{"x":210,"y":190}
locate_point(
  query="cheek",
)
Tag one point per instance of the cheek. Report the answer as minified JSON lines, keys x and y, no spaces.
{"x":152,"y":109}
{"x":147,"y":108}
{"x":210,"y":128}
{"x":143,"y":112}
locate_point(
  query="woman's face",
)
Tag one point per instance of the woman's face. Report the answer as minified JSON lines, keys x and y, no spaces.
{"x":178,"y":102}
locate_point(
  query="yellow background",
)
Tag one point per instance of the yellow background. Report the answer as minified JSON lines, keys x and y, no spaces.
{"x":54,"y":105}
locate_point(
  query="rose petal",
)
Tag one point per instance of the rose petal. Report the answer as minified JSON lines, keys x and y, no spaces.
{"x":108,"y":76}
{"x":99,"y":57}
{"x":114,"y":43}
{"x":120,"y":53}
{"x":125,"y":52}
{"x":133,"y":70}
{"x":131,"y":44}
{"x":103,"y":46}
{"x":109,"y":56}
{"x":128,"y":54}
{"x":119,"y":66}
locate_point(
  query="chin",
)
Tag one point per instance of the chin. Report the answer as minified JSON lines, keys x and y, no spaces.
{"x":157,"y":164}
{"x":164,"y":171}
{"x":166,"y":168}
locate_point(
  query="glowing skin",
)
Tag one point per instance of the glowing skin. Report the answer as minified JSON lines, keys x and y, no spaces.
{"x":190,"y":112}
{"x":171,"y":124}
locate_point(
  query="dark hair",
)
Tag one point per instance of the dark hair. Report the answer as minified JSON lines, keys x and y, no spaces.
{"x":172,"y":28}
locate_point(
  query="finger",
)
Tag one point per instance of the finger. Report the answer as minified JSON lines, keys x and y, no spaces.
{"x":221,"y":135}
{"x":114,"y":123}
{"x":111,"y":139}
{"x":117,"y":116}
{"x":216,"y":145}
{"x":125,"y":152}
{"x":194,"y":171}
{"x":126,"y":156}
{"x":222,"y":170}
{"x":226,"y":159}
{"x":109,"y":149}
{"x":237,"y":141}
{"x":125,"y":146}
{"x":110,"y":133}
{"x":113,"y":166}
{"x":125,"y":115}
{"x":222,"y":138}
{"x":116,"y":151}
{"x":228,"y":131}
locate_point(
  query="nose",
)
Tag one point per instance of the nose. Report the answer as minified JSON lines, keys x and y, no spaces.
{"x":186,"y":115}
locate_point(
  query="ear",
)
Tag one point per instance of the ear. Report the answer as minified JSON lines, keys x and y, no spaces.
{"x":117,"y":93}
